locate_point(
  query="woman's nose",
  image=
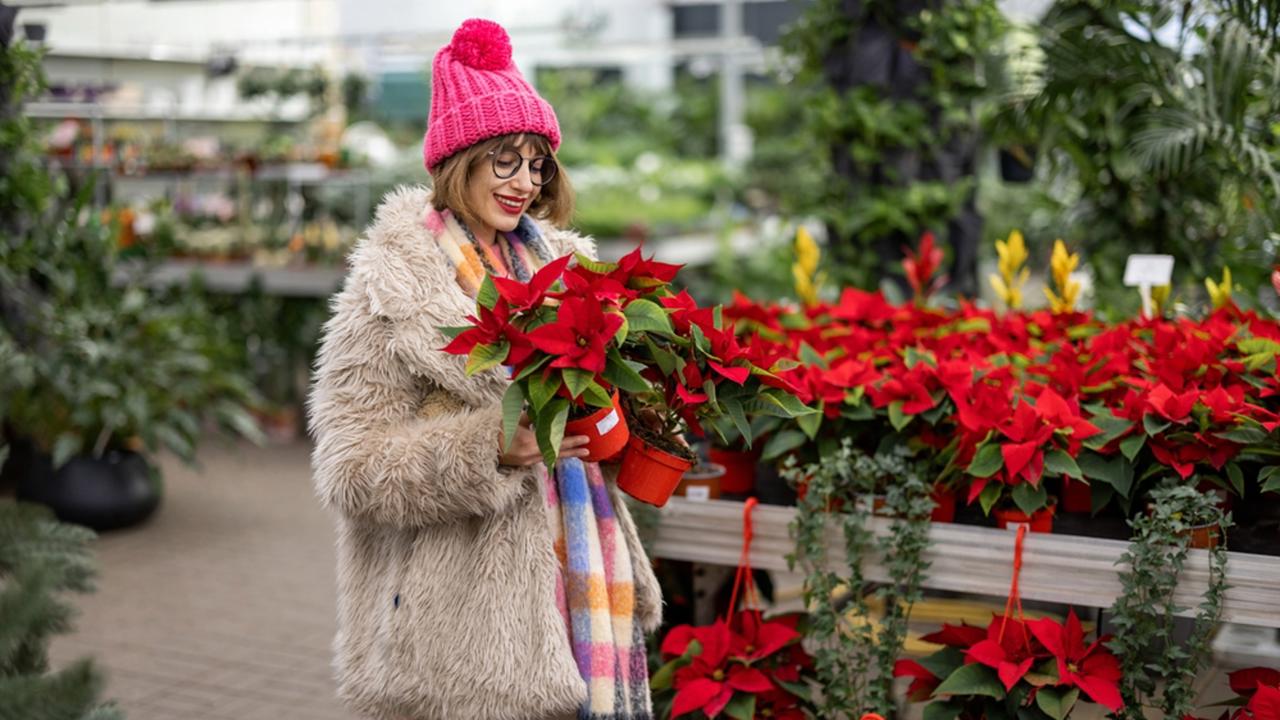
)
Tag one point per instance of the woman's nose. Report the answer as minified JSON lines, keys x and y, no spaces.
{"x":523,"y":179}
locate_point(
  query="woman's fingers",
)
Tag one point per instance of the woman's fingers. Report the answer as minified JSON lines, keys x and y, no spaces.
{"x":573,"y":446}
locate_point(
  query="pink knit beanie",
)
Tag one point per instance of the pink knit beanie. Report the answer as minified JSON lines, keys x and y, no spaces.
{"x":478,"y":93}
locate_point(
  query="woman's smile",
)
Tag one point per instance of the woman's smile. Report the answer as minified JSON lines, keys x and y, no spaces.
{"x":509,"y":204}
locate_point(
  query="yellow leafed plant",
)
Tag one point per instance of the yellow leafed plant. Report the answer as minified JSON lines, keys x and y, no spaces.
{"x":1061,"y":265}
{"x":1012,"y":275}
{"x":1219,"y":292}
{"x":805,"y":269}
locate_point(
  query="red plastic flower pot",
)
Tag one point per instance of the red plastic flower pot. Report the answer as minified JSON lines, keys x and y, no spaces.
{"x":648,"y":474}
{"x":1077,"y":497}
{"x":1040,"y":521}
{"x":739,"y":469}
{"x":945,"y":510}
{"x":606,"y":428}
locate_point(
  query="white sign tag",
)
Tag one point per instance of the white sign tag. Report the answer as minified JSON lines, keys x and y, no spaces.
{"x":607,"y":423}
{"x":1148,"y":270}
{"x":699,"y":493}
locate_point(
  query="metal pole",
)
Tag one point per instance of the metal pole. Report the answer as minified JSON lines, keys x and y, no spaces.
{"x":735,"y":137}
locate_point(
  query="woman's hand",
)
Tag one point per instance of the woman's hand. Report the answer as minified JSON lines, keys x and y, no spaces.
{"x":524,"y":447}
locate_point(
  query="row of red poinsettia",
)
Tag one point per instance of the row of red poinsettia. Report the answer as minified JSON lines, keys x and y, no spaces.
{"x":1005,"y":400}
{"x":749,"y":667}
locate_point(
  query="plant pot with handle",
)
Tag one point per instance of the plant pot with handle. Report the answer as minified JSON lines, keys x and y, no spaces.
{"x":650,"y":474}
{"x":606,"y":429}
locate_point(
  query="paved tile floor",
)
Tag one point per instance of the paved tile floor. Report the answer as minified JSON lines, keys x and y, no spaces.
{"x":221,"y":606}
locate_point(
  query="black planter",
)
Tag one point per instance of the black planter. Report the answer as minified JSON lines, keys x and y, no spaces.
{"x":117,"y":490}
{"x":1017,"y":164}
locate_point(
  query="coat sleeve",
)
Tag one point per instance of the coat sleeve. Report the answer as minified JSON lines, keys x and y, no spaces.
{"x":383,"y":456}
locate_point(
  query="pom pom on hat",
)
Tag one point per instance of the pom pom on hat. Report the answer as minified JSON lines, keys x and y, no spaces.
{"x":477,"y":93}
{"x":482,"y":44}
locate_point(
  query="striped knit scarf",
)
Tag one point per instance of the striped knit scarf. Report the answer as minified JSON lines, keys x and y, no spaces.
{"x":595,"y":587}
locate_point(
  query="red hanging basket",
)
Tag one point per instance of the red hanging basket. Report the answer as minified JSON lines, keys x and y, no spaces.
{"x":648,"y":474}
{"x":739,"y":469}
{"x":607,"y":430}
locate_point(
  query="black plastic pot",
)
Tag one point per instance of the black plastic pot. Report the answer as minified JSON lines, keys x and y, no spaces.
{"x":119,"y":489}
{"x":1017,"y":164}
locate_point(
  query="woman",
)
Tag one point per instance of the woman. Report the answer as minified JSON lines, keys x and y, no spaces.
{"x":470,"y":585}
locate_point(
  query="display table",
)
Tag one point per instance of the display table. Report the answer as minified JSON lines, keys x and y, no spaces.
{"x":965,"y":558}
{"x":238,"y":277}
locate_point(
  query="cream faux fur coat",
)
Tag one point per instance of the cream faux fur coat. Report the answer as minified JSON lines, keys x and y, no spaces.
{"x":446,"y":572}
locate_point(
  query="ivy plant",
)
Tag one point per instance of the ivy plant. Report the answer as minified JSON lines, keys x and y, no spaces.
{"x":853,"y":656}
{"x":1159,"y":670}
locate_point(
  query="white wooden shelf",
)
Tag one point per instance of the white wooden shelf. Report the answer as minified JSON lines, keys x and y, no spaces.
{"x":964,"y":558}
{"x":238,"y":277}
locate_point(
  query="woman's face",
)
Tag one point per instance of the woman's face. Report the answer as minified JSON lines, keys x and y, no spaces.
{"x":499,"y":202}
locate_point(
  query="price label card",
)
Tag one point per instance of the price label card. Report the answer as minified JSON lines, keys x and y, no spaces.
{"x":1149,"y":270}
{"x":698,"y":493}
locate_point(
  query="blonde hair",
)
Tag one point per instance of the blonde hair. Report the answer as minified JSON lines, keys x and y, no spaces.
{"x":452,"y":177}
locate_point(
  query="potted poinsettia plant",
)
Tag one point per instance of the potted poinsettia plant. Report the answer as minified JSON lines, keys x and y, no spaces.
{"x":746,"y":668}
{"x":560,"y":335}
{"x":1014,"y":668}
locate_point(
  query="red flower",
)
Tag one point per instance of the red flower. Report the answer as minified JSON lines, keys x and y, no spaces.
{"x":578,"y":336}
{"x":1174,"y":407}
{"x":921,"y":266}
{"x":924,"y":682}
{"x":685,"y":312}
{"x":1265,"y":703}
{"x":1245,"y":682}
{"x":579,"y":281}
{"x":523,"y":296}
{"x":1010,"y":653}
{"x":708,"y":683}
{"x":635,"y":272}
{"x":957,"y":636}
{"x":491,"y":327}
{"x":1093,"y":669}
{"x":760,"y":638}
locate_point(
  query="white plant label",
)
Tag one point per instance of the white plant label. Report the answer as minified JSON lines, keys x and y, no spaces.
{"x":698,"y":493}
{"x":607,"y":423}
{"x":1148,"y":270}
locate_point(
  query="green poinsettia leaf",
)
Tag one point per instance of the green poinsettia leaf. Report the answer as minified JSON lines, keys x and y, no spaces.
{"x":549,"y":429}
{"x":1059,"y":462}
{"x":970,"y":680}
{"x":986,"y":462}
{"x":485,"y":357}
{"x":742,"y":706}
{"x":512,"y":408}
{"x":1057,"y":702}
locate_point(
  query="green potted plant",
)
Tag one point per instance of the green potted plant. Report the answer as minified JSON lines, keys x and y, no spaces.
{"x":94,"y":372}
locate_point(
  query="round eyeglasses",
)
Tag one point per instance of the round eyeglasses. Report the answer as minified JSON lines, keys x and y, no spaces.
{"x":506,"y":163}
